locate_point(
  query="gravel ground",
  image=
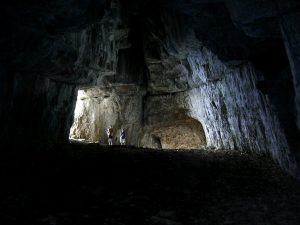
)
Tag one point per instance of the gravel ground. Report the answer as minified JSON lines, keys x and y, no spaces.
{"x":90,"y":184}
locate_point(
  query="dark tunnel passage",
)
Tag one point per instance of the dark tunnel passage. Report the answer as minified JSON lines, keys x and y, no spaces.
{"x":207,"y":92}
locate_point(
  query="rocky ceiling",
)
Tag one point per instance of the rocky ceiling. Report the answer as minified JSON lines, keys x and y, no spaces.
{"x":232,"y":66}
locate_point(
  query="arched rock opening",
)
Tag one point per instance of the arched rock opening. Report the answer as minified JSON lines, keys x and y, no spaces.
{"x":186,"y":133}
{"x":122,"y":107}
{"x":95,"y":109}
{"x":98,"y":108}
{"x":196,"y":51}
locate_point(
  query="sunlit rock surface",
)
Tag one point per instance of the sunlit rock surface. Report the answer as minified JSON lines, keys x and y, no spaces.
{"x":175,"y":74}
{"x":191,"y":99}
{"x":168,"y":124}
{"x":97,"y":109}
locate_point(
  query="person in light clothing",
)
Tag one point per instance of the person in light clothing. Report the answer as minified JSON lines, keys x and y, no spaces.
{"x":122,"y":137}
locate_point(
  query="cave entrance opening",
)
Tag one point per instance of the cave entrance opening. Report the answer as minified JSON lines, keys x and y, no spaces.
{"x":95,"y":110}
{"x":98,"y":108}
{"x":123,"y":106}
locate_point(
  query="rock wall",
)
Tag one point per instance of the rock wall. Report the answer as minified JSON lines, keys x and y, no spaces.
{"x":291,"y":33}
{"x":174,"y":73}
{"x":223,"y":97}
{"x":274,"y":19}
{"x":167,"y":124}
{"x":240,"y":119}
{"x":58,"y":100}
{"x":191,"y":96}
{"x":97,"y":109}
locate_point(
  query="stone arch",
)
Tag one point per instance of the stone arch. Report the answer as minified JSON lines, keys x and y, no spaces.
{"x":186,"y":133}
{"x":97,"y":108}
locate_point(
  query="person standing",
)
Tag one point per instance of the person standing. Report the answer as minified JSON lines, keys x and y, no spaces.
{"x":122,"y":137}
{"x":109,"y":133}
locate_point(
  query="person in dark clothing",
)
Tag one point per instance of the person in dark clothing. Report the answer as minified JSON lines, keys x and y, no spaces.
{"x":109,"y":133}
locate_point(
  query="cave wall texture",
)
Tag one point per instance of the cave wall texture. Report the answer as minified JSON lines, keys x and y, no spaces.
{"x":221,"y":74}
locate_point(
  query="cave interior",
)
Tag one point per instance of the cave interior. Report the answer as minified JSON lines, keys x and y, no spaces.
{"x":207,"y":92}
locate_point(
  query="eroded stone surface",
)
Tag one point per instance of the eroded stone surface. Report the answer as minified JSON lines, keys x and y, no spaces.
{"x":291,"y":34}
{"x":187,"y":60}
{"x":97,"y":109}
{"x":192,"y":99}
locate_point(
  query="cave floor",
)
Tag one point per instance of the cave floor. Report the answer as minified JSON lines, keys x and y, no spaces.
{"x":87,"y":184}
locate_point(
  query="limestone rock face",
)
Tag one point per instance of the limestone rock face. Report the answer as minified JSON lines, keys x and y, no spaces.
{"x":168,"y":124}
{"x":191,"y":100}
{"x":224,"y":99}
{"x":291,"y":34}
{"x":177,"y":74}
{"x":97,"y":109}
{"x":274,"y":19}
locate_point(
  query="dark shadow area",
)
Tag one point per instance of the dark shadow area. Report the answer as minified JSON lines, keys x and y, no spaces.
{"x":86,"y":184}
